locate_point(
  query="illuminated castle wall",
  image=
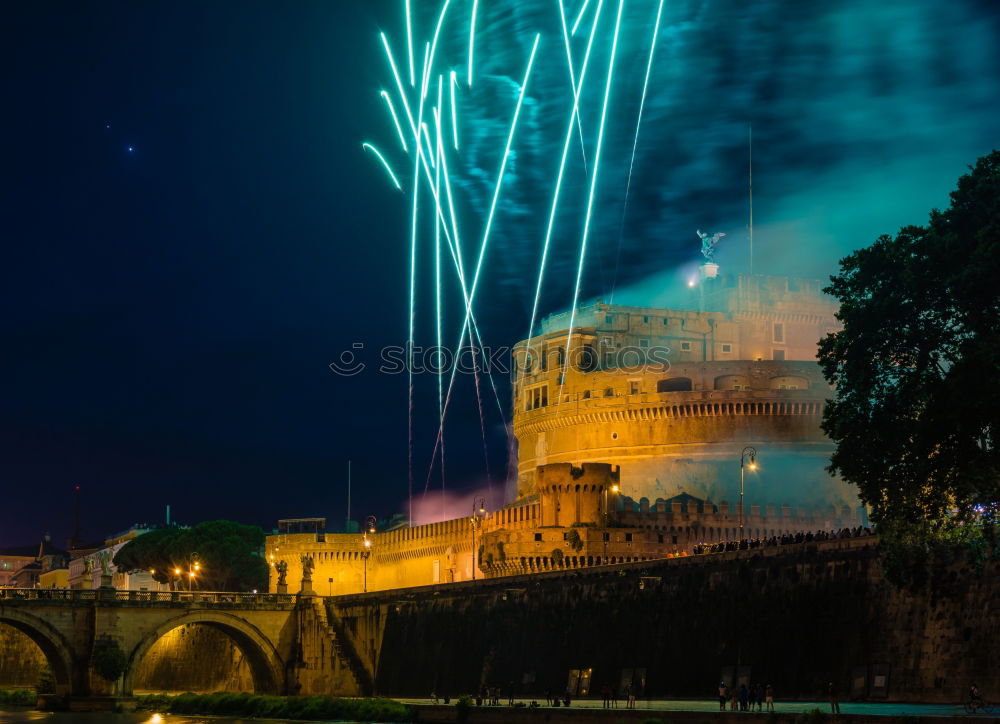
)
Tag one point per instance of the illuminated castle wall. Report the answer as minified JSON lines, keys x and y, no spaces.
{"x":634,"y":455}
{"x":673,"y":395}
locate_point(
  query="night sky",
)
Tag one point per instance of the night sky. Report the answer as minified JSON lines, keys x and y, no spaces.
{"x":192,"y":232}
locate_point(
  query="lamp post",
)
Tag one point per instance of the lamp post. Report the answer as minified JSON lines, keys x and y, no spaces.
{"x":605,"y":535}
{"x":194,"y":570}
{"x":752,"y":453}
{"x":366,"y":544}
{"x":478,"y":513}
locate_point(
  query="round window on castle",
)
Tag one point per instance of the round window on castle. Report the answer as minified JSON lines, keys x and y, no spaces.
{"x":614,"y":436}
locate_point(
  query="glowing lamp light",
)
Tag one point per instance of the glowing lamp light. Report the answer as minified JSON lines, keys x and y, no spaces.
{"x":614,"y":488}
{"x":155,"y":719}
{"x":191,"y":574}
{"x":197,"y":566}
{"x":177,"y":571}
{"x":753,"y":463}
{"x":690,"y":282}
{"x":368,"y":543}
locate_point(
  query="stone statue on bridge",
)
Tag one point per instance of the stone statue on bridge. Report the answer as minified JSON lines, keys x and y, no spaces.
{"x":282,"y":568}
{"x":307,"y":569}
{"x":104,"y":560}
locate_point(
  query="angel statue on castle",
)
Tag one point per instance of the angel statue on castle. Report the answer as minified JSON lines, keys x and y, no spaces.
{"x":708,"y":245}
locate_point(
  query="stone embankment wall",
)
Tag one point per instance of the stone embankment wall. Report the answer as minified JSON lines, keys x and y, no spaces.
{"x":194,"y":658}
{"x":798,"y":616}
{"x":21,"y":661}
{"x":189,"y":658}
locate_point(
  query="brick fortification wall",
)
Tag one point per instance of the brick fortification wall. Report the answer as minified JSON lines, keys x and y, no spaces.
{"x":798,"y":616}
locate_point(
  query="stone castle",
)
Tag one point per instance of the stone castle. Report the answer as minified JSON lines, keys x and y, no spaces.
{"x":630,"y":427}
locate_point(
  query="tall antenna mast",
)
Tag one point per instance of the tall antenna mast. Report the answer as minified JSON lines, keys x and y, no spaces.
{"x":750,"y":137}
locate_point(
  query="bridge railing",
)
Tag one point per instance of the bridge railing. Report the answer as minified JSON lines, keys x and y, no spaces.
{"x":221,"y":598}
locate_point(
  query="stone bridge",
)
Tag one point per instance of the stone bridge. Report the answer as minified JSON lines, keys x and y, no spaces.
{"x":802,"y":615}
{"x":286,"y":640}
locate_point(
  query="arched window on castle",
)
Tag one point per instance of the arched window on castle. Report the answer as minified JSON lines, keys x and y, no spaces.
{"x":674,"y":384}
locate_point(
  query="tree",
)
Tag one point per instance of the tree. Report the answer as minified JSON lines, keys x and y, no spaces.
{"x":228,"y":555}
{"x":917,"y":407}
{"x":108,"y":659}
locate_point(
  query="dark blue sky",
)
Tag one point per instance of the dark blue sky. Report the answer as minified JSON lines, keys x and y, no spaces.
{"x":170,"y":310}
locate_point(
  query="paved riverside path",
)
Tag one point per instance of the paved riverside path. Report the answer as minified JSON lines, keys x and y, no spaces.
{"x":654,"y":706}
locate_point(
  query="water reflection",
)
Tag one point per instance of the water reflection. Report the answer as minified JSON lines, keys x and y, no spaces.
{"x":25,"y":716}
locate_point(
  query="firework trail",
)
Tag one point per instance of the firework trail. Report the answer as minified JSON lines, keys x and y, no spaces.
{"x":434,"y":142}
{"x":590,"y":197}
{"x":635,"y":144}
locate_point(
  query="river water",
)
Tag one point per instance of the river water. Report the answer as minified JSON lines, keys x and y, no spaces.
{"x":29,"y":716}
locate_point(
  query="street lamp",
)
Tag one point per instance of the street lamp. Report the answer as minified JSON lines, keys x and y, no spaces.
{"x":366,"y":546}
{"x":605,"y":536}
{"x":752,"y":453}
{"x":478,"y":513}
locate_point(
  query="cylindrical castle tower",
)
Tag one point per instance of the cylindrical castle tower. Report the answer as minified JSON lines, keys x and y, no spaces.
{"x":574,"y":495}
{"x":673,"y":396}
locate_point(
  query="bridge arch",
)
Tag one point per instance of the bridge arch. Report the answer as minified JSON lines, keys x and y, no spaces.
{"x":54,"y":646}
{"x":265,"y":665}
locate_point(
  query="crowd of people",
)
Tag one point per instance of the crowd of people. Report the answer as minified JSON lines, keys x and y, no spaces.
{"x":746,"y":697}
{"x":780,"y":540}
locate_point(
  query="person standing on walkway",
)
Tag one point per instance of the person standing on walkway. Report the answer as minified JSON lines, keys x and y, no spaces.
{"x":831,"y":691}
{"x":606,"y":695}
{"x":744,"y":697}
{"x":760,"y":696}
{"x":723,"y":695}
{"x":769,"y":698}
